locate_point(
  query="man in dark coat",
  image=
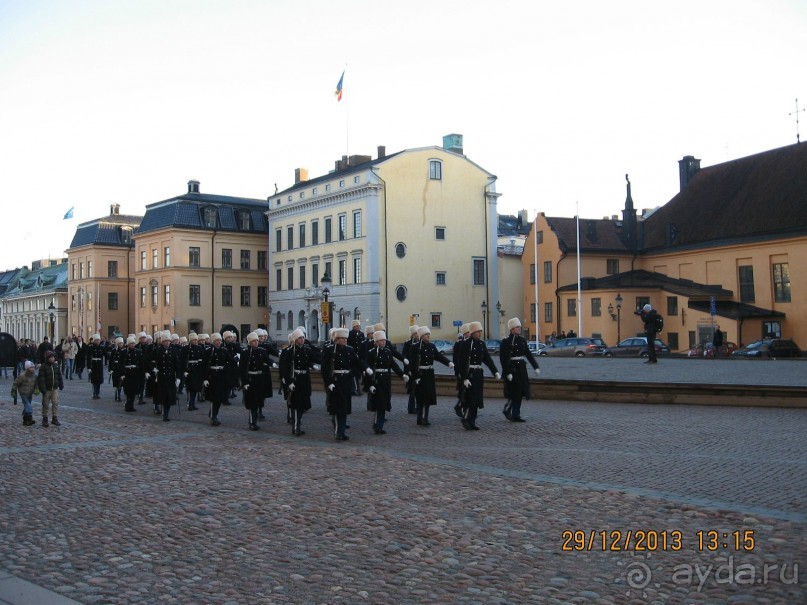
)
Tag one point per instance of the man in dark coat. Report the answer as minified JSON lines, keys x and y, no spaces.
{"x":514,"y":356}
{"x":130,"y":361}
{"x":717,"y":341}
{"x":382,"y":363}
{"x":422,"y":356}
{"x":43,"y":348}
{"x":411,"y":408}
{"x":191,"y":360}
{"x":648,"y":315}
{"x":339,"y":364}
{"x":253,"y":367}
{"x":268,"y":345}
{"x":216,"y":382}
{"x":95,"y":365}
{"x":296,"y":363}
{"x":471,"y":354}
{"x":50,"y":382}
{"x":166,"y":374}
{"x":115,"y":368}
{"x":354,"y":338}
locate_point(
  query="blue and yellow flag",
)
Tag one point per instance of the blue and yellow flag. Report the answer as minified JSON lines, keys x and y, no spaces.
{"x":338,"y":91}
{"x":69,"y":213}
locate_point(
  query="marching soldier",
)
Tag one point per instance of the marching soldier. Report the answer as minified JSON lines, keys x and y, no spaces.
{"x":166,"y":375}
{"x":254,"y":370}
{"x":234,"y":347}
{"x":471,"y":354}
{"x":514,"y":355}
{"x":411,"y":408}
{"x":115,"y":370}
{"x":216,"y":382}
{"x":381,"y":362}
{"x":422,"y":357}
{"x":265,"y":343}
{"x":192,"y":361}
{"x":95,"y":365}
{"x":454,"y":351}
{"x":354,"y":338}
{"x":130,"y":361}
{"x":296,"y":363}
{"x":339,"y":363}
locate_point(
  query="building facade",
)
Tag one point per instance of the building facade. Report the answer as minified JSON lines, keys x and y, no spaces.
{"x":101,"y":276}
{"x":35,"y":303}
{"x":405,"y":238}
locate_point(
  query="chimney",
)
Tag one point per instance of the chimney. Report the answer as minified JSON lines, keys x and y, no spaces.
{"x":453,"y":142}
{"x":687,"y":168}
{"x":382,"y":152}
{"x":300,"y":175}
{"x":114,"y":209}
{"x":193,"y":186}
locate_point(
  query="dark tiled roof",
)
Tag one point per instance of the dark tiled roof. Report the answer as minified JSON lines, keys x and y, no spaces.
{"x":186,"y":211}
{"x":513,"y":225}
{"x":47,"y":279}
{"x":106,"y":231}
{"x":752,"y":197}
{"x":336,"y":174}
{"x":648,"y":280}
{"x":733,"y":310}
{"x":8,"y":279}
{"x":596,"y":235}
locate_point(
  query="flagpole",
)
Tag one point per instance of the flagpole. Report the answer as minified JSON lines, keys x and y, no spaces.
{"x":579,"y":283}
{"x":535,"y":272}
{"x":347,"y":121}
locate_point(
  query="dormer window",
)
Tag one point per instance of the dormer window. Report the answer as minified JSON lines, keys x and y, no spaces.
{"x":209,"y":216}
{"x":243,"y":221}
{"x":126,"y":235}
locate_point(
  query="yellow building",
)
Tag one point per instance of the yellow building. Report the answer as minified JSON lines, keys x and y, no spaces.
{"x":101,"y":276}
{"x":406,"y":237}
{"x":721,"y":252}
{"x":33,"y":301}
{"x":201,"y":264}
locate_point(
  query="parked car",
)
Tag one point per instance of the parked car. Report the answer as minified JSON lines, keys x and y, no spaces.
{"x":443,"y":346}
{"x":536,"y":348}
{"x":769,"y":347}
{"x":493,"y":345}
{"x":573,"y":347}
{"x":706,"y":350}
{"x":635,"y":346}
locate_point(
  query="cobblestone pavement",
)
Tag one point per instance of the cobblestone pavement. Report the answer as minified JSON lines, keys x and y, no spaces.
{"x":115,"y":508}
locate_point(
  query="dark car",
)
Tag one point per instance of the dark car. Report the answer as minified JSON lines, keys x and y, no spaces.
{"x":635,"y":347}
{"x":573,"y":347}
{"x":769,"y":347}
{"x":707,"y":350}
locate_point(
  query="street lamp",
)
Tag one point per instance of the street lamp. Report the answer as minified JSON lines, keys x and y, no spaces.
{"x":484,"y":306}
{"x":501,"y":313}
{"x":51,"y":308}
{"x":618,"y":318}
{"x":326,"y":290}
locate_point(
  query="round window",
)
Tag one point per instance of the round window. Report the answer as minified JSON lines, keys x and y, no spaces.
{"x":400,"y":250}
{"x":400,"y":293}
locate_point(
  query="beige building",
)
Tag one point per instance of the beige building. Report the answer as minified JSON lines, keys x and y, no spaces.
{"x":201,"y":264}
{"x":34,"y":301}
{"x":101,"y":276}
{"x":406,"y":237}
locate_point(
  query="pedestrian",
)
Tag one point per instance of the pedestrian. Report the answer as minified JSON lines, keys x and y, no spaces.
{"x":95,"y":364}
{"x":422,"y":357}
{"x":216,"y":382}
{"x":514,"y":355}
{"x":115,"y":368}
{"x":472,"y":354}
{"x":381,"y":362}
{"x":296,"y":362}
{"x":463,"y":336}
{"x":25,"y":385}
{"x":192,"y":369}
{"x":649,"y":315}
{"x":166,"y":375}
{"x":131,"y":362}
{"x":717,"y":341}
{"x":411,"y":407}
{"x":70,"y":349}
{"x":268,"y":345}
{"x":253,"y":368}
{"x":50,"y":383}
{"x":354,"y":339}
{"x":43,"y":348}
{"x":81,"y":356}
{"x":234,"y":347}
{"x":339,"y":364}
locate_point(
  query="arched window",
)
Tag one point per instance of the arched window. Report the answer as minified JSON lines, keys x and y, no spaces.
{"x":400,"y":293}
{"x":400,"y":249}
{"x":291,"y":320}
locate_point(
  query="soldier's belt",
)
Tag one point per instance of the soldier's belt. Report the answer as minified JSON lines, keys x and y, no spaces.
{"x":517,"y":359}
{"x":216,"y":367}
{"x":130,"y":367}
{"x":341,"y":371}
{"x":301,"y":371}
{"x":475,"y":367}
{"x":96,"y":359}
{"x":194,"y":361}
{"x":425,"y":367}
{"x":255,"y":372}
{"x":382,"y":370}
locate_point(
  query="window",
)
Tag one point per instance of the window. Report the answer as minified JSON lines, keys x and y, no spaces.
{"x":246,"y":294}
{"x":302,"y":276}
{"x":314,"y":233}
{"x":72,"y":302}
{"x":400,"y":293}
{"x":781,"y":282}
{"x":571,"y":307}
{"x":479,"y":272}
{"x":547,"y":271}
{"x":328,"y":230}
{"x":341,"y":183}
{"x":532,"y":274}
{"x":226,"y":258}
{"x":746,"y":282}
{"x":126,"y":235}
{"x":209,"y":215}
{"x":342,"y":272}
{"x":73,"y":272}
{"x":314,"y":191}
{"x":154,"y":260}
{"x":342,"y":227}
{"x":111,"y":268}
{"x":263,"y":296}
{"x":194,"y":256}
{"x":167,"y":295}
{"x":357,"y":270}
{"x":302,"y":195}
{"x":436,"y":320}
{"x":400,"y":250}
{"x":245,"y":259}
{"x":539,"y":238}
{"x":262,"y":260}
{"x":279,"y":280}
{"x":226,"y":296}
{"x":439,"y":233}
{"x":243,"y":221}
{"x":672,"y":305}
{"x":532,"y":312}
{"x":89,"y":268}
{"x":440,"y":278}
{"x":641,"y":301}
{"x":596,"y":307}
{"x":278,"y":321}
{"x":302,"y":235}
{"x":290,"y":237}
{"x":290,"y":278}
{"x":290,"y":321}
{"x":357,"y":223}
{"x":112,"y":301}
{"x":89,"y":301}
{"x":167,"y":256}
{"x":327,"y":186}
{"x":154,"y":293}
{"x":612,"y":266}
{"x":142,"y":262}
{"x":672,"y":341}
{"x":771,"y":329}
{"x":315,"y":275}
{"x":548,"y":312}
{"x":278,"y":240}
{"x":435,"y":170}
{"x":328,"y":270}
{"x":356,"y":179}
{"x":142,"y":297}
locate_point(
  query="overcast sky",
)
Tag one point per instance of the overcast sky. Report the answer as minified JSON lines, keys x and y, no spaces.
{"x":105,"y":101}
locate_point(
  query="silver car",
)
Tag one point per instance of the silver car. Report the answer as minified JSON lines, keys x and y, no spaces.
{"x":574,"y":347}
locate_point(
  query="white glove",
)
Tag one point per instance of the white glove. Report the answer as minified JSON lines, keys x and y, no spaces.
{"x":237,"y":356}
{"x":467,"y":383}
{"x":206,"y":383}
{"x":450,"y":365}
{"x":274,"y":365}
{"x":509,"y":378}
{"x":154,"y":371}
{"x":537,"y":371}
{"x":369,"y":371}
{"x":406,"y":361}
{"x":417,"y":380}
{"x":497,"y":376}
{"x":176,"y":382}
{"x":331,"y":387}
{"x":405,"y":378}
{"x":372,"y":390}
{"x":185,"y":374}
{"x":316,"y":367}
{"x":246,"y":387}
{"x":147,"y":376}
{"x":292,"y":386}
{"x":89,"y":372}
{"x":122,"y":378}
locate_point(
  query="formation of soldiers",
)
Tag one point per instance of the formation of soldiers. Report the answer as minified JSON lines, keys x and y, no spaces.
{"x":213,"y":367}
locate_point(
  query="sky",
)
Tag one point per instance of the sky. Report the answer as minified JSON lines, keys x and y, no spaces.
{"x":117,"y":101}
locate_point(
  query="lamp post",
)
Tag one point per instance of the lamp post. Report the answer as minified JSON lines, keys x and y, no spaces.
{"x":51,"y":309}
{"x":484,"y":306}
{"x":618,"y":318}
{"x":326,"y":308}
{"x":501,"y":313}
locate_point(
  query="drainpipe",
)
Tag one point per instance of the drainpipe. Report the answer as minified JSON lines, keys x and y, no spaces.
{"x":213,"y":282}
{"x":556,"y":279}
{"x":386,"y":252}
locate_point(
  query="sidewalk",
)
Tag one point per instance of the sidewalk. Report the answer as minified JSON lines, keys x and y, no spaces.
{"x":15,"y":591}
